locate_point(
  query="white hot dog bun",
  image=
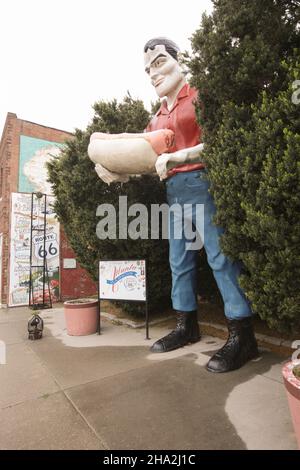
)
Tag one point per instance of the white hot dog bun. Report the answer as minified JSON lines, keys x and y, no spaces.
{"x":130,"y":153}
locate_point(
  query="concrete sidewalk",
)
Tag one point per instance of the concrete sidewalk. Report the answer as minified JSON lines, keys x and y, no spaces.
{"x":110,"y":392}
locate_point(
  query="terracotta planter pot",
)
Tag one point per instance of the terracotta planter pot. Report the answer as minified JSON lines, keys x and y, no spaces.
{"x":81,"y":316}
{"x":292,"y":385}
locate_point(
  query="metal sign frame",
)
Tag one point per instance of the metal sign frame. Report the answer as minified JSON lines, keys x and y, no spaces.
{"x":44,"y":267}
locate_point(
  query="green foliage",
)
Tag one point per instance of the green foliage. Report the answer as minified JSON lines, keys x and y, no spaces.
{"x":237,"y":52}
{"x":262,"y":181}
{"x":296,"y":371}
{"x":245,"y":59}
{"x":79,"y":191}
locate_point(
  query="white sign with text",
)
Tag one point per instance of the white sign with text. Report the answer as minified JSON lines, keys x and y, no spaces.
{"x":122,"y":280}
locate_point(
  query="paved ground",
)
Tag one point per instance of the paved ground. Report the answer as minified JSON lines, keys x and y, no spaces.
{"x":110,"y":392}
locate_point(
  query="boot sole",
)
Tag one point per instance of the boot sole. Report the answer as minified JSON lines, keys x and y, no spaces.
{"x":254,"y":356}
{"x":191,"y":341}
{"x":194,"y":340}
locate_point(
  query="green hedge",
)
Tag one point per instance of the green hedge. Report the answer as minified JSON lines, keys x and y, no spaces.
{"x":244,"y":63}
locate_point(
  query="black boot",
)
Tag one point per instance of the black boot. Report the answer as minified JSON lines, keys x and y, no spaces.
{"x":241,"y":346}
{"x":186,"y":331}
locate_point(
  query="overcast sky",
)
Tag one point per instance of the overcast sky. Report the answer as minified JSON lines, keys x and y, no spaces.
{"x":60,"y":56}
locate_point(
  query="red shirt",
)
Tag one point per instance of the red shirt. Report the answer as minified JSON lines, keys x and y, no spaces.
{"x":182,"y":120}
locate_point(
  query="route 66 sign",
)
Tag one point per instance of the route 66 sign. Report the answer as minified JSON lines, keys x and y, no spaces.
{"x":51,"y":246}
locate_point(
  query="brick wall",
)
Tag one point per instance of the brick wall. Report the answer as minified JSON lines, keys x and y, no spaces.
{"x":9,"y":163}
{"x":74,"y":283}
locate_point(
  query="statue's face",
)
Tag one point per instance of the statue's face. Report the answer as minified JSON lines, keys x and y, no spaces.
{"x":164,"y":71}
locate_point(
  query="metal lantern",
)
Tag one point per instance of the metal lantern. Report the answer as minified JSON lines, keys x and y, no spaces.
{"x":35,"y":327}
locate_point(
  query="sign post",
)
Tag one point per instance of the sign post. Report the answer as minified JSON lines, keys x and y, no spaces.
{"x":123,"y":280}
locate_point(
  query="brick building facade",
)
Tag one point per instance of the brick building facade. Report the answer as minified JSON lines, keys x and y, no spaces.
{"x":75,"y":282}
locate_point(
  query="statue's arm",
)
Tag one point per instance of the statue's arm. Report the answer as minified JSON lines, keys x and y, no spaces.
{"x":167,"y":161}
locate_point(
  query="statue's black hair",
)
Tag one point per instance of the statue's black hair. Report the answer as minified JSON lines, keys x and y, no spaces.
{"x":170,"y":46}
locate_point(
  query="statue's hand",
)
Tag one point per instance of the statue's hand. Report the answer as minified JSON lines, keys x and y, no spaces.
{"x":109,"y":177}
{"x":161,"y":165}
{"x":167,"y":161}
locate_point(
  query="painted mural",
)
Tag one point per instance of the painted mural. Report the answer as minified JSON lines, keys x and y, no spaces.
{"x":34,"y":154}
{"x":20,"y":250}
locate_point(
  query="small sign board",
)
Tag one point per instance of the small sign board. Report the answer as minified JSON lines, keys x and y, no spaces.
{"x":122,"y":280}
{"x":69,"y":263}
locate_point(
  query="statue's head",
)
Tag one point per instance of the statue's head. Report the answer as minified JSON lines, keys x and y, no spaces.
{"x":161,"y":64}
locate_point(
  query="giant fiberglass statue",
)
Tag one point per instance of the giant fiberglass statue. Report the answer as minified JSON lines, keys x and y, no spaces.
{"x":171,"y":146}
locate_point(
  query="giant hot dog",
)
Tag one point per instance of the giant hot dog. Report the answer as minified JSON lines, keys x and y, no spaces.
{"x":130,"y":153}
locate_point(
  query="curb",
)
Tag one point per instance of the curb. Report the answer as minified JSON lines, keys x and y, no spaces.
{"x":279,"y":346}
{"x":132,"y":323}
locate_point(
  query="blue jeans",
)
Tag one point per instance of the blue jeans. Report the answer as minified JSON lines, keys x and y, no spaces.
{"x":192,"y":188}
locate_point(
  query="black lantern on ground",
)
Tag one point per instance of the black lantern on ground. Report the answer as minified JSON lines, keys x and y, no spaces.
{"x":35,"y":327}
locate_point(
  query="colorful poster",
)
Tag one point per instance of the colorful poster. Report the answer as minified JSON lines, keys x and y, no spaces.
{"x":122,"y":280}
{"x":20,"y":250}
{"x":34,"y":154}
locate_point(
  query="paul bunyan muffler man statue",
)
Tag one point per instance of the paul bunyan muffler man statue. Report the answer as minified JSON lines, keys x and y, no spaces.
{"x":171,"y":146}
